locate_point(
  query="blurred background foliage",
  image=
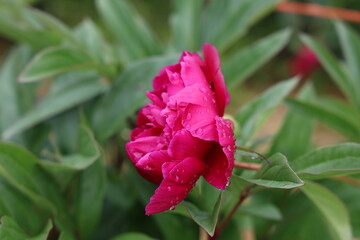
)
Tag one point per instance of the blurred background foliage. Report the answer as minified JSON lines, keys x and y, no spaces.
{"x":74,"y":73}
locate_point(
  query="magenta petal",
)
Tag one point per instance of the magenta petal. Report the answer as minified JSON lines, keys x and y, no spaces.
{"x":200,"y":121}
{"x":214,"y":75}
{"x":220,"y":160}
{"x":195,"y":94}
{"x":176,"y":186}
{"x":225,"y":132}
{"x":219,"y":167}
{"x":167,"y":167}
{"x":184,"y":145}
{"x":191,"y":71}
{"x":141,"y":146}
{"x":153,"y":161}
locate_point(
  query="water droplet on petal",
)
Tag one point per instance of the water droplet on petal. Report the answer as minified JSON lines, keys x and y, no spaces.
{"x":206,"y":99}
{"x":188,"y":117}
{"x":177,"y":178}
{"x":228,"y":184}
{"x":202,"y":89}
{"x":200,"y":131}
{"x":172,"y":208}
{"x":229,"y":147}
{"x":169,"y":188}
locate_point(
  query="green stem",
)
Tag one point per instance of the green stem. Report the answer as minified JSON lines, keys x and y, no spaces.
{"x":262,"y":157}
{"x":220,"y":228}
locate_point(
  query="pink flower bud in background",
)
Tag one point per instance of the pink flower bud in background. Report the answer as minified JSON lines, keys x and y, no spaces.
{"x":304,"y":63}
{"x":181,"y":135}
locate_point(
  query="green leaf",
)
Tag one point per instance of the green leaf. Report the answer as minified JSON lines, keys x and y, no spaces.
{"x":14,"y":204}
{"x":10,"y":230}
{"x":350,"y":195}
{"x":289,"y":140}
{"x":132,"y":236}
{"x":252,"y":113}
{"x":53,"y":61}
{"x":89,"y":198}
{"x":332,"y":209}
{"x":250,"y":58}
{"x":78,"y":89}
{"x":129,"y":27}
{"x":20,"y":168}
{"x":129,"y":88}
{"x":185,"y":25}
{"x":328,"y":116}
{"x":225,"y":21}
{"x":333,"y":67}
{"x":350,"y":44}
{"x":329,"y":161}
{"x":11,"y":104}
{"x":44,"y":234}
{"x":277,"y":174}
{"x":67,"y":166}
{"x":92,"y":41}
{"x":264,"y":210}
{"x":301,"y":220}
{"x":206,"y":220}
{"x":25,"y":24}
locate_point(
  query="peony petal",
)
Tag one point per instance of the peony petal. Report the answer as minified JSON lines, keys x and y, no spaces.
{"x":215,"y":77}
{"x":195,"y":94}
{"x":200,"y":121}
{"x":176,"y":186}
{"x":167,"y":167}
{"x":153,"y":161}
{"x":225,"y":131}
{"x":141,"y":146}
{"x":220,"y":163}
{"x":184,"y":145}
{"x":161,"y":81}
{"x":191,"y":70}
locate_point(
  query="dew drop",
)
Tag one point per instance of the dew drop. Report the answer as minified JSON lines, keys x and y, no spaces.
{"x":176,"y":178}
{"x":200,"y":131}
{"x":169,"y":188}
{"x":228,"y":184}
{"x":172,"y":208}
{"x":206,"y":98}
{"x":202,"y":89}
{"x":229,"y":147}
{"x":188,"y":117}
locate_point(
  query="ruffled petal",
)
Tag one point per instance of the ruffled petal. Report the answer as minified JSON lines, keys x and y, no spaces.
{"x":200,"y":121}
{"x":225,"y":131}
{"x":194,"y":94}
{"x":220,"y":160}
{"x":191,"y":69}
{"x":215,"y":77}
{"x":219,"y":167}
{"x":153,"y":161}
{"x":176,"y":186}
{"x":184,"y":145}
{"x":141,"y":146}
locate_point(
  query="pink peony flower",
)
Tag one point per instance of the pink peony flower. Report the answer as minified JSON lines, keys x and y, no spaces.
{"x":181,"y":135}
{"x":304,"y":63}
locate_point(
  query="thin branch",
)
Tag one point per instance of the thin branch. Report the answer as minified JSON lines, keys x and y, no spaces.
{"x":244,"y":194}
{"x":319,"y":11}
{"x":248,"y":166}
{"x":347,"y":179}
{"x":253,"y":151}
